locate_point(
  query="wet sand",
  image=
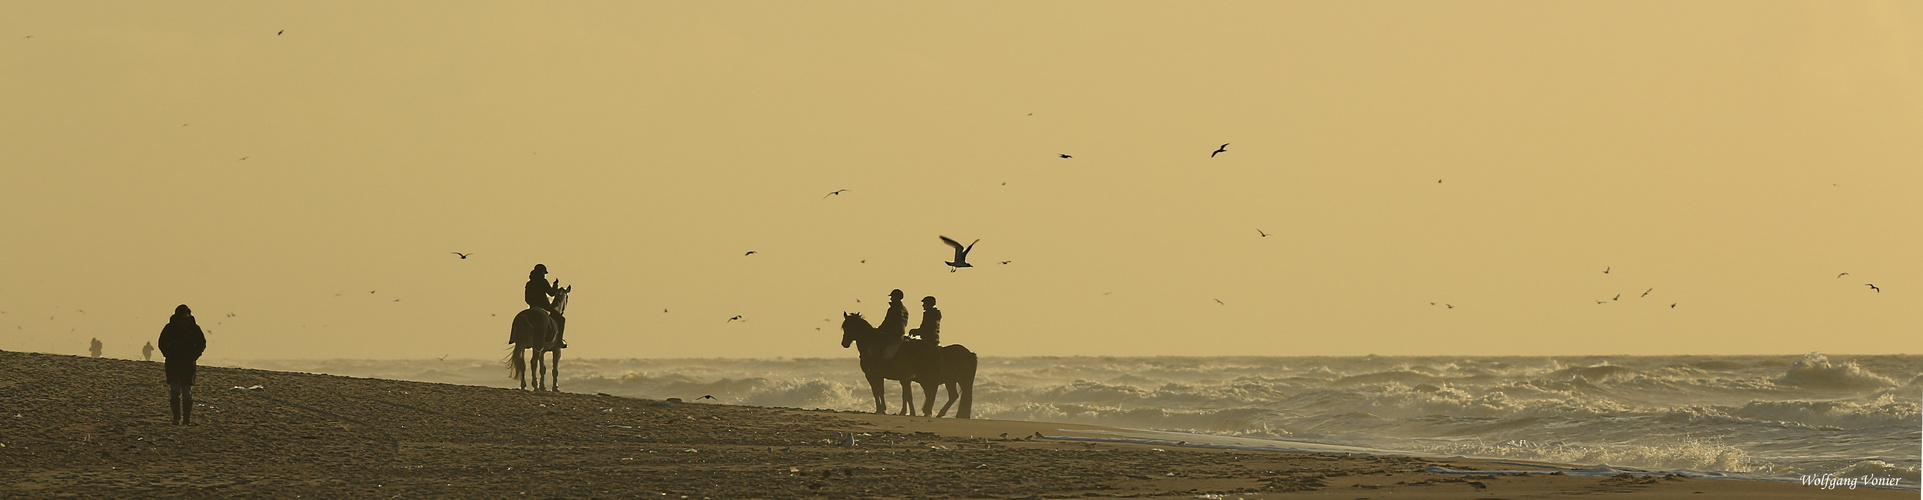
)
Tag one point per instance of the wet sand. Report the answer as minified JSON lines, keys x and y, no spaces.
{"x":79,"y":426}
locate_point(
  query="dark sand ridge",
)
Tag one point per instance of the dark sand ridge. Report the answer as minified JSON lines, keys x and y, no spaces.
{"x":99,"y":427}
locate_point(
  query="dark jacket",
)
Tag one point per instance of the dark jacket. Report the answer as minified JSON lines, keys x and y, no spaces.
{"x":930,"y":330}
{"x":182,"y":342}
{"x":896,"y":321}
{"x":537,"y":294}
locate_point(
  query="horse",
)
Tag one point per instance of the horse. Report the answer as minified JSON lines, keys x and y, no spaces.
{"x":540,"y":332}
{"x":950,"y":365}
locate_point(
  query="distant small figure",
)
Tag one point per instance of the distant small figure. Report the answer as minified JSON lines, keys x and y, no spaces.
{"x":835,"y":192}
{"x":1259,"y":231}
{"x":1220,"y":150}
{"x":278,"y":33}
{"x":147,"y":351}
{"x":1873,"y":287}
{"x":1606,"y":269}
{"x":1067,"y":156}
{"x":736,"y":317}
{"x":94,"y":347}
{"x":930,"y":329}
{"x":463,"y":255}
{"x":182,"y":342}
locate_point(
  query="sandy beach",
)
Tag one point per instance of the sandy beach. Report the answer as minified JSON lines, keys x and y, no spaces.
{"x":75,"y":426}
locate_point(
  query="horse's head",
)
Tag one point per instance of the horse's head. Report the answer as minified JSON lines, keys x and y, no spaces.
{"x":561,"y":298}
{"x":854,"y":327}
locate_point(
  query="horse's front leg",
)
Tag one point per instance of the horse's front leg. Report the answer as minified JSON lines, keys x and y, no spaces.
{"x":950,"y":402}
{"x":881,"y":401}
{"x":928,"y":398}
{"x":907,"y":399}
{"x":554,"y":365}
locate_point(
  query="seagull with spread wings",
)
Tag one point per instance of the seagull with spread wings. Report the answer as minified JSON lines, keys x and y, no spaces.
{"x":961,"y":253}
{"x":1220,"y":150}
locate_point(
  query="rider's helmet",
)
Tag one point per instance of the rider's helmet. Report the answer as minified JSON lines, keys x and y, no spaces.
{"x":928,"y":301}
{"x":182,"y":309}
{"x":897,"y":295}
{"x":540,"y":269}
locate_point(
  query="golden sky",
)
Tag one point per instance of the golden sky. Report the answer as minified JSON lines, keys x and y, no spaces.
{"x":1734,"y":157}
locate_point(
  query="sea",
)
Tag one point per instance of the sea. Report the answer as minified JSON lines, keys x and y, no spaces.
{"x":1782,"y":418}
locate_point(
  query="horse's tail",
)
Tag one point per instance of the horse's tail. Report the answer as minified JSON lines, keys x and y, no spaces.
{"x":515,"y":365}
{"x":962,"y":366}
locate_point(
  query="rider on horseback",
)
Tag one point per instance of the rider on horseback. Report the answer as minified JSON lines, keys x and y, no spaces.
{"x":930,"y":330}
{"x":538,"y":290}
{"x":894,"y":323}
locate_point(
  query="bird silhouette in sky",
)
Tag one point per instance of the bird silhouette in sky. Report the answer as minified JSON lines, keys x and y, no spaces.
{"x":750,"y":252}
{"x":710,"y":396}
{"x":463,"y":255}
{"x":1065,"y":155}
{"x":443,"y":357}
{"x":372,"y":291}
{"x":1617,"y":297}
{"x":1450,"y":306}
{"x":836,"y":192}
{"x":1259,"y":231}
{"x":1606,"y":269}
{"x":1873,"y":287}
{"x":1672,"y":305}
{"x":243,"y":158}
{"x":277,"y":33}
{"x":1219,"y":301}
{"x":737,"y":317}
{"x":961,"y":253}
{"x":1220,"y":150}
{"x":1602,"y":302}
{"x":1005,"y":262}
{"x":1842,"y":275}
{"x":1646,"y":292}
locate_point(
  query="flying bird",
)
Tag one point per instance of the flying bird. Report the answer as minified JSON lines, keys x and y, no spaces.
{"x":1219,"y":301}
{"x":750,"y":252}
{"x":1066,"y":156}
{"x":1617,"y":297}
{"x":1259,"y":231}
{"x":1005,"y":262}
{"x":1842,"y":275}
{"x":1646,"y":292}
{"x":961,"y":253}
{"x":243,"y":158}
{"x":710,"y":396}
{"x":1220,"y":150}
{"x":1451,"y":306}
{"x":277,"y":33}
{"x":734,"y":319}
{"x":443,"y":357}
{"x":836,"y":192}
{"x":1606,"y":269}
{"x":1873,"y":287}
{"x":1672,"y":305}
{"x":463,"y":255}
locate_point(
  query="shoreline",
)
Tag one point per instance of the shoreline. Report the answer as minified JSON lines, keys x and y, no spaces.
{"x":98,"y":427}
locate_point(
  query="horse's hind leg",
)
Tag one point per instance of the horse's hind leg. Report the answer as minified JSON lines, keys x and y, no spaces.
{"x":907,"y":399}
{"x":518,"y":366}
{"x":950,"y":402}
{"x":540,"y":368}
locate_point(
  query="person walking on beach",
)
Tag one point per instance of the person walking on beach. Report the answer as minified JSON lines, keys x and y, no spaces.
{"x":94,"y":347}
{"x":147,"y":351}
{"x":181,"y":342}
{"x":930,"y":329}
